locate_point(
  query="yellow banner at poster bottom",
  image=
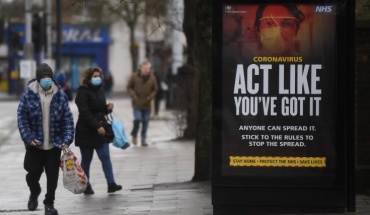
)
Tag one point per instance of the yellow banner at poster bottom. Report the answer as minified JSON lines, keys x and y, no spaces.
{"x":318,"y":162}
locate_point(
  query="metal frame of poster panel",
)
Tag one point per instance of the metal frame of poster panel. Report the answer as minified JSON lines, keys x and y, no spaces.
{"x":349,"y":102}
{"x":283,"y":137}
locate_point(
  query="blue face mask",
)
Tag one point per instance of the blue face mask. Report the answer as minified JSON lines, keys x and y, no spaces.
{"x":45,"y":83}
{"x":96,"y":81}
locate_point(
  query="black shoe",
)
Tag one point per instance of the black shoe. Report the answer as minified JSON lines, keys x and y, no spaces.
{"x":113,"y":187}
{"x":50,"y":210}
{"x":89,"y":190}
{"x":32,"y":201}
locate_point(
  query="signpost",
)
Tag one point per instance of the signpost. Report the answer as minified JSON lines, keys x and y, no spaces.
{"x":26,"y":68}
{"x":282,"y":116}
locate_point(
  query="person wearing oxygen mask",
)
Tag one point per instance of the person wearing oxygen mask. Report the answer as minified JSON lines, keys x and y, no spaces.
{"x":276,"y":27}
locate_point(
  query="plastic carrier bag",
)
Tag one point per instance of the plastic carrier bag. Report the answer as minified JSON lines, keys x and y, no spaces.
{"x":74,"y":178}
{"x":120,"y":139}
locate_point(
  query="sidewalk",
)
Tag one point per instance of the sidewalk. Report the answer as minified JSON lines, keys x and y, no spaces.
{"x":6,"y":97}
{"x":155,"y":179}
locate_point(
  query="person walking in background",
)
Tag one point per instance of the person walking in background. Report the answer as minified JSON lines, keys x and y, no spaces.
{"x":142,"y":87}
{"x":63,"y":82}
{"x":108,"y":84}
{"x":45,"y":124}
{"x":91,"y":128}
{"x":162,"y":88}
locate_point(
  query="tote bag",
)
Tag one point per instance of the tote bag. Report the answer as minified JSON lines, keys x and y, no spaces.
{"x":120,"y":140}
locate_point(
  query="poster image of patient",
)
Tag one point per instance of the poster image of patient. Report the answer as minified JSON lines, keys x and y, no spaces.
{"x":276,"y":30}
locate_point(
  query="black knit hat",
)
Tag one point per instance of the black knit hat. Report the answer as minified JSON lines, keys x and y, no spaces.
{"x":43,"y":69}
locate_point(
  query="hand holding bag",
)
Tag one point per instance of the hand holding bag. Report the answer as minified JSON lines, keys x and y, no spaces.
{"x":120,"y":139}
{"x":109,"y":136}
{"x":74,"y":178}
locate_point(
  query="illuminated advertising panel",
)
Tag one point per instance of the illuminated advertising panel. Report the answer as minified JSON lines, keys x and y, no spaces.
{"x":279,"y":72}
{"x":281,"y":112}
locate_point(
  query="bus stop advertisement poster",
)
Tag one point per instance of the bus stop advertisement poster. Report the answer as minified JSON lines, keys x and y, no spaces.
{"x":278,"y":96}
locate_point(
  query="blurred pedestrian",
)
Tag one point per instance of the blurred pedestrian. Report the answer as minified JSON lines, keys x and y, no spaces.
{"x":45,"y":123}
{"x":108,"y":84}
{"x":63,"y":82}
{"x":162,"y":88}
{"x":91,"y":128}
{"x":142,"y":87}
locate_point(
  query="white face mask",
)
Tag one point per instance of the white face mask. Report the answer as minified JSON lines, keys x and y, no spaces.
{"x":272,"y":40}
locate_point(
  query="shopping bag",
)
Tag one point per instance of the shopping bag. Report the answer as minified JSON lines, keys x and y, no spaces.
{"x":74,"y":178}
{"x":109,"y":135}
{"x":120,"y":139}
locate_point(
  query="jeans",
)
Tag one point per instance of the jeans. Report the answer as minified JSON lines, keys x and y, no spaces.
{"x":143,"y":116}
{"x":103,"y":154}
{"x":35,"y":161}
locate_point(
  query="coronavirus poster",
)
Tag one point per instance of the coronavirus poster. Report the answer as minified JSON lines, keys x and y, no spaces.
{"x":279,"y":67}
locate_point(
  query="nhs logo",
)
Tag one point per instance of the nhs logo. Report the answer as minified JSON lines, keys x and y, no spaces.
{"x":324,"y":9}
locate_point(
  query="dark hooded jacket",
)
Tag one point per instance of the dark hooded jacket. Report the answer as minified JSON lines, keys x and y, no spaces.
{"x":92,"y":108}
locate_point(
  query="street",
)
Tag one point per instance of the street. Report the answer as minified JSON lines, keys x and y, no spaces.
{"x":155,"y":179}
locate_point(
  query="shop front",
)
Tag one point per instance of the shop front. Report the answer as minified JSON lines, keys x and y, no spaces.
{"x":82,"y":47}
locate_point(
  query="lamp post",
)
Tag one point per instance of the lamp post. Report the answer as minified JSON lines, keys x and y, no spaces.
{"x":26,"y":69}
{"x":58,"y":51}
